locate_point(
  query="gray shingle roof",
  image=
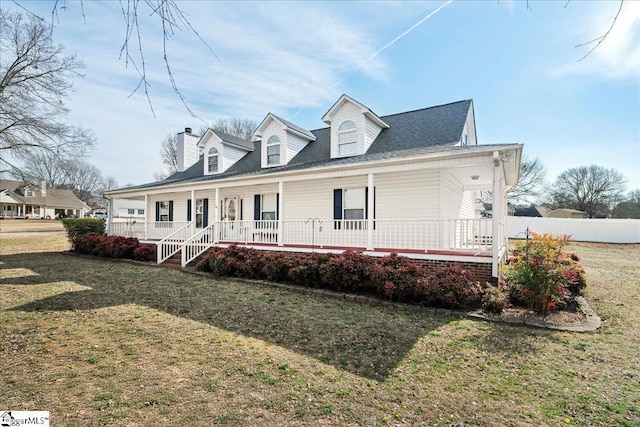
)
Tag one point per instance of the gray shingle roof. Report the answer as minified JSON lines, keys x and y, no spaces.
{"x":55,"y":197}
{"x":295,"y":127}
{"x":233,"y":139}
{"x":428,"y":130}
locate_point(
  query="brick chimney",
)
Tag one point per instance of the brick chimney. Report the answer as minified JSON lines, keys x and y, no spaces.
{"x":43,"y":188}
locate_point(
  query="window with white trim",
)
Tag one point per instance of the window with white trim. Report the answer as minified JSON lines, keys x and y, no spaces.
{"x":131,"y":211}
{"x":354,"y":202}
{"x":273,"y":150}
{"x":268,"y":207}
{"x":28,"y":192}
{"x":347,"y":138}
{"x":163,"y":210}
{"x":140,"y":211}
{"x":212,"y":160}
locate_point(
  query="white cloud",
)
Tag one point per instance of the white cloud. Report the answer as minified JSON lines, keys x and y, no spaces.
{"x":618,"y":56}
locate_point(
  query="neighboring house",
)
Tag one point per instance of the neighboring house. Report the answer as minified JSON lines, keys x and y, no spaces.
{"x":532,"y":211}
{"x":23,"y":200}
{"x":487,"y":211}
{"x":565,"y":213}
{"x":128,"y":209}
{"x":404,"y":183}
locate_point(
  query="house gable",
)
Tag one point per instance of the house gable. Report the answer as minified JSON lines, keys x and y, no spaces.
{"x":354,"y":127}
{"x":281,"y":140}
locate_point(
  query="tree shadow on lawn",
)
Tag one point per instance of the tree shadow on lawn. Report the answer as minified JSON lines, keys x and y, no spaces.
{"x":369,"y":341}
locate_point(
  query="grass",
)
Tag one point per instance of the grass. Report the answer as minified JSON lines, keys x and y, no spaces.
{"x":98,"y":342}
{"x":30,"y":225}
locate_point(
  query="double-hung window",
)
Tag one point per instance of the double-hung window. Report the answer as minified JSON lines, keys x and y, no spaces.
{"x":347,"y":138}
{"x":350,"y":208}
{"x":268,"y":207}
{"x":212,"y":160}
{"x":273,"y":150}
{"x":163,"y":210}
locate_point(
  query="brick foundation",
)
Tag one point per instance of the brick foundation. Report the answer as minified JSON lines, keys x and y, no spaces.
{"x":481,"y":271}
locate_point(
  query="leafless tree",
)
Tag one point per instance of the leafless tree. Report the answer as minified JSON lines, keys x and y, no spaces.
{"x":591,"y":189}
{"x":42,"y":165}
{"x":240,"y":128}
{"x":532,"y":178}
{"x":84,"y":179}
{"x":169,"y":153}
{"x":630,"y":208}
{"x":530,"y":184}
{"x":35,"y":80}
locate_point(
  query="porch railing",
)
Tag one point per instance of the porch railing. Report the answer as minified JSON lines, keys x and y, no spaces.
{"x":171,"y":244}
{"x":194,"y":246}
{"x":128,"y":229}
{"x":459,"y":235}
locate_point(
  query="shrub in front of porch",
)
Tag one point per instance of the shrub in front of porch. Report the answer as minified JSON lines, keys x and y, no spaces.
{"x":541,"y":276}
{"x":113,"y":247}
{"x":393,"y":277}
{"x":81,"y":226}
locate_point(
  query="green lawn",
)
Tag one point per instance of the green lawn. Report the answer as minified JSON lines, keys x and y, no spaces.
{"x":98,"y":342}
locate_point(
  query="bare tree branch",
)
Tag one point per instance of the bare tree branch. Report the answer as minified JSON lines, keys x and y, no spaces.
{"x":602,"y":37}
{"x":35,"y":80}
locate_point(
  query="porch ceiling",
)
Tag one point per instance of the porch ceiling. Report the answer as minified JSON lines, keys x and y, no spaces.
{"x":476,"y":177}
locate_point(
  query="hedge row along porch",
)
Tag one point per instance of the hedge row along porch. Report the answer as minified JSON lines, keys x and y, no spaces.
{"x":405,"y":183}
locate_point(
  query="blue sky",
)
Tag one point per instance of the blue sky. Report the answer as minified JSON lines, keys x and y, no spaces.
{"x":295,"y":59}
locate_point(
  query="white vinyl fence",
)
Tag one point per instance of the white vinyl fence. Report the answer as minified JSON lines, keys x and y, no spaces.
{"x":582,"y":230}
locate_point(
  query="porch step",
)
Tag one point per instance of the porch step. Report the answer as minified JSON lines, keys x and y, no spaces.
{"x":175,"y":262}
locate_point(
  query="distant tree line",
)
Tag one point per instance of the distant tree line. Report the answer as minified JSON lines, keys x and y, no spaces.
{"x":595,"y":190}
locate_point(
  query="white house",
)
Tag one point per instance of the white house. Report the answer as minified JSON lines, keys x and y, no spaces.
{"x":404,"y":183}
{"x":20,"y":199}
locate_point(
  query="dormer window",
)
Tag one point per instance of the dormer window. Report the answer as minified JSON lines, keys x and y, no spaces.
{"x":273,"y":150}
{"x":212,"y":160}
{"x":28,"y":192}
{"x":347,"y":138}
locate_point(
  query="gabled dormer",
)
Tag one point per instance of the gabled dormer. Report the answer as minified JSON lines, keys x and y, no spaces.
{"x":281,"y":140}
{"x":221,"y":150}
{"x":354,"y":127}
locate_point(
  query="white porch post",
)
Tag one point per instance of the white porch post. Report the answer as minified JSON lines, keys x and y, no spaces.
{"x":496,"y":210}
{"x":193,"y":212}
{"x":109,"y":215}
{"x":216,"y":214}
{"x":280,"y":213}
{"x":146,"y":215}
{"x":370,"y":207}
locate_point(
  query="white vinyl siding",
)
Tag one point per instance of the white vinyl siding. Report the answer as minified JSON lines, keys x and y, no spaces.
{"x":348,"y":111}
{"x":456,"y":203}
{"x":371,"y":131}
{"x":470,"y":127}
{"x":408,"y":195}
{"x":231,"y":155}
{"x":294,"y":145}
{"x":305,"y":199}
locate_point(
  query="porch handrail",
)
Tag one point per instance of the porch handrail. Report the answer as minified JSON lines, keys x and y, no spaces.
{"x":171,"y":244}
{"x":195,"y":245}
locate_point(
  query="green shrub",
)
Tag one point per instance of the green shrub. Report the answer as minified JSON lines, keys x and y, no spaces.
{"x":81,"y":226}
{"x":540,"y":275}
{"x":494,"y":300}
{"x":452,"y":286}
{"x":398,"y":278}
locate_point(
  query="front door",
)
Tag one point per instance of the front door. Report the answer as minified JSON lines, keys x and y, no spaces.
{"x":229,"y":231}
